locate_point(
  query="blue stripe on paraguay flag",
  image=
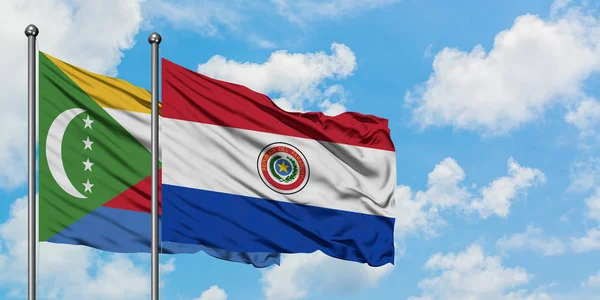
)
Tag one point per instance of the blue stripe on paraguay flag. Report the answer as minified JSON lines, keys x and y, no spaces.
{"x":243,"y":175}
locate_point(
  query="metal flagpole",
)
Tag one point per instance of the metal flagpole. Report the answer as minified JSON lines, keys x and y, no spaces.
{"x":31,"y":32}
{"x":154,"y":40}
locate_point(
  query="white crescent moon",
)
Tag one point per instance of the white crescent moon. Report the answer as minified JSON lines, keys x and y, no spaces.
{"x":54,"y":150}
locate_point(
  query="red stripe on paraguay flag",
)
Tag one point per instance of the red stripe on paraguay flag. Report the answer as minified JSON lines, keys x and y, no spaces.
{"x":241,"y":174}
{"x":226,"y":104}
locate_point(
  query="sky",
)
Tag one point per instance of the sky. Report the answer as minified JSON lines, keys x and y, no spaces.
{"x":492,"y":105}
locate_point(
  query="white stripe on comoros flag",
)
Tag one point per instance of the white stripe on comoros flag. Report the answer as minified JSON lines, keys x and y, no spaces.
{"x":215,"y":193}
{"x":136,"y":123}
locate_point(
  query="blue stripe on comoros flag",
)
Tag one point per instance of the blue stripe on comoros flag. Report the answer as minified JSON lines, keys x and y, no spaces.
{"x":247,"y":224}
{"x":126,"y":231}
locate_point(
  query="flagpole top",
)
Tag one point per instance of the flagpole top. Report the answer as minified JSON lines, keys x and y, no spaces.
{"x":154,"y":38}
{"x":31,"y":30}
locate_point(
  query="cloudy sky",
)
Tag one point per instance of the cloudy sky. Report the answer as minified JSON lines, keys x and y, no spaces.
{"x":493,"y":110}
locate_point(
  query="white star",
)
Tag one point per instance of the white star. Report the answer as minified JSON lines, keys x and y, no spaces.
{"x":88,"y":143}
{"x":88,"y":165}
{"x":88,"y":122}
{"x":88,"y":186}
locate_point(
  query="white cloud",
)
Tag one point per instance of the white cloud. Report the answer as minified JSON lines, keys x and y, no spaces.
{"x":513,"y":84}
{"x":585,"y":174}
{"x":593,"y":282}
{"x":301,"y":11}
{"x":415,"y":214}
{"x":168,"y":267}
{"x":13,"y":254}
{"x":593,"y":205}
{"x":301,"y":273}
{"x":446,"y":191}
{"x":261,"y":42}
{"x":487,"y":278}
{"x":331,"y":109}
{"x":117,"y":278}
{"x":559,"y":6}
{"x":335,"y":97}
{"x":524,"y":295}
{"x":90,"y":276}
{"x":585,"y":116}
{"x":165,"y":268}
{"x":590,"y":242}
{"x":443,"y":184}
{"x":496,"y":196}
{"x":213,"y":18}
{"x":70,"y":30}
{"x":420,"y":212}
{"x":532,"y":239}
{"x":287,"y":105}
{"x":291,"y":79}
{"x":213,"y":293}
{"x":204,"y":16}
{"x":428,"y":51}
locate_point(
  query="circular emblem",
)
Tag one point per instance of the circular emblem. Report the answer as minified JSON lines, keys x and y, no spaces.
{"x":283,"y":168}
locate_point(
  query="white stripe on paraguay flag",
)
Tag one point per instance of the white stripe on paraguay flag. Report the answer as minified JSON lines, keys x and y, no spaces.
{"x":243,"y":175}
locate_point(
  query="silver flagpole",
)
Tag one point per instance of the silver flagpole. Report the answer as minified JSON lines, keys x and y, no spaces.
{"x":31,"y":32}
{"x":154,"y":40}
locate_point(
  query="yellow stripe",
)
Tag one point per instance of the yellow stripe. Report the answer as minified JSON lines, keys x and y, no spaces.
{"x":108,"y":92}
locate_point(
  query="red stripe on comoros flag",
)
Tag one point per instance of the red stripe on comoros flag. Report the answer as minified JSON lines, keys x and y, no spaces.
{"x":138,"y":197}
{"x":191,"y":96}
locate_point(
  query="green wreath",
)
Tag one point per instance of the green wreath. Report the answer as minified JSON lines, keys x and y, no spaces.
{"x":290,"y":177}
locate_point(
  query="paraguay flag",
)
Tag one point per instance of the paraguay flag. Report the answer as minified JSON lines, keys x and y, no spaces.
{"x":95,"y":164}
{"x":243,"y":175}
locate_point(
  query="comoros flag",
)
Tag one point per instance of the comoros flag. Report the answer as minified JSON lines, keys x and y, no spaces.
{"x":263,"y":179}
{"x":95,"y":164}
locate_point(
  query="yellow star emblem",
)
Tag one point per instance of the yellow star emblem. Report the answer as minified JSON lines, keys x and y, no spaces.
{"x":282,"y":167}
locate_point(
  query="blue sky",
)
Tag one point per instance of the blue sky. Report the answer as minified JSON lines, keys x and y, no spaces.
{"x":492,"y":108}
